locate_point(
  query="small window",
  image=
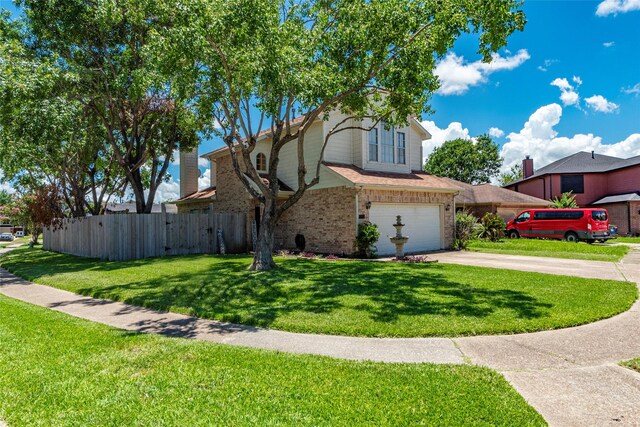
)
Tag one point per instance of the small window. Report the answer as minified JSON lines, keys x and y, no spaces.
{"x":402,"y":148}
{"x":524,"y":216}
{"x":599,"y":215}
{"x":573,"y":183}
{"x":261,"y":162}
{"x":373,"y":145}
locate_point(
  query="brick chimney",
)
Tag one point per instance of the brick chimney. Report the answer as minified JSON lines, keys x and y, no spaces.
{"x":527,"y":167}
{"x":189,"y":172}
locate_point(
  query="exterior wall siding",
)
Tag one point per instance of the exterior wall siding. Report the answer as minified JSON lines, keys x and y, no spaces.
{"x":402,"y":196}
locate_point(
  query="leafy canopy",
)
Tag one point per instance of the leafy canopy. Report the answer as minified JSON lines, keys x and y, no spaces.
{"x":466,"y":161}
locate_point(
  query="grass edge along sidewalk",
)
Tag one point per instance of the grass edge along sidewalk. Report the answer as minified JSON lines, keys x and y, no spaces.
{"x":60,"y":370}
{"x":551,"y":248}
{"x":337,"y":298}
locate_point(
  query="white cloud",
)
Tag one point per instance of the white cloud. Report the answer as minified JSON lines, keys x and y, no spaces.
{"x":568,"y":95}
{"x":632,"y":90}
{"x":167,"y":191}
{"x":440,"y":136}
{"x":539,"y":139}
{"x":203,"y":163}
{"x":496,"y":132}
{"x":204,"y":181}
{"x":601,"y":104}
{"x":608,"y":7}
{"x":6,"y":186}
{"x":547,"y":63}
{"x":562,"y":84}
{"x":608,"y":44}
{"x":456,"y":76}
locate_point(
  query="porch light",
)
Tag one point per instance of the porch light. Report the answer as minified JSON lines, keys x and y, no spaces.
{"x":448,"y":207}
{"x":368,"y":204}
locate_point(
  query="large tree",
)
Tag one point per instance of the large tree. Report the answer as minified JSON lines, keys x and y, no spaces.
{"x":514,"y":174}
{"x":46,"y":136}
{"x":473,"y":162}
{"x":253,"y":62}
{"x":107,"y":47}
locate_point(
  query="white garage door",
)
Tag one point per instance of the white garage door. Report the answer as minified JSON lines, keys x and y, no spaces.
{"x":422,"y":226}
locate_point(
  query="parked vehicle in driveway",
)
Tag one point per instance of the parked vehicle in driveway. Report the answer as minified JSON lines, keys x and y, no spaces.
{"x":572,"y":225}
{"x":6,"y":237}
{"x":19,"y":233}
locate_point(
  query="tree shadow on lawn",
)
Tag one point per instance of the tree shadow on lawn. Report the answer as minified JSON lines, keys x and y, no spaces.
{"x":384,"y":292}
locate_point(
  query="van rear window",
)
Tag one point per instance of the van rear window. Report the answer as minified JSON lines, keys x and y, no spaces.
{"x":543,"y":215}
{"x":599,"y":215}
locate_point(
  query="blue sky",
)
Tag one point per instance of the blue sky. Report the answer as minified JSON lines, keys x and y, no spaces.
{"x":569,"y":82}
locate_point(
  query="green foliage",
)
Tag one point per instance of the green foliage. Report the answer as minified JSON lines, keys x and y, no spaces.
{"x":514,"y":174}
{"x":466,"y":161}
{"x":493,"y":227}
{"x":467,"y":229}
{"x":365,"y":244}
{"x":5,"y":198}
{"x":567,"y":200}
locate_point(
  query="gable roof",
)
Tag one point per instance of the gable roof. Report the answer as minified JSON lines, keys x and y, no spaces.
{"x":207,"y":193}
{"x":485,"y":194}
{"x":619,"y":198}
{"x":415,"y":180}
{"x":583,"y":162}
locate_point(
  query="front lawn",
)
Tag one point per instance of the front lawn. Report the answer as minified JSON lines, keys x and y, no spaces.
{"x":337,"y":297}
{"x":635,"y":240}
{"x":551,"y":248}
{"x":58,"y":370}
{"x":632,"y":364}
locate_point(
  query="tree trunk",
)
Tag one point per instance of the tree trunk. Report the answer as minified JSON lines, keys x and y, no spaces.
{"x":263,"y":252}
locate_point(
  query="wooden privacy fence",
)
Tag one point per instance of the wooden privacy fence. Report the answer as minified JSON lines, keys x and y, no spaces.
{"x":135,"y":236}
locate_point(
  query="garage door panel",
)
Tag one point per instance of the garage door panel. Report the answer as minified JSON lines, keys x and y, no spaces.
{"x":422,"y":226}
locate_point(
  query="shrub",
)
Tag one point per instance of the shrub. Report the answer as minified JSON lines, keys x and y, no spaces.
{"x":365,"y":244}
{"x":493,"y":227}
{"x":567,"y":200}
{"x":467,"y":229}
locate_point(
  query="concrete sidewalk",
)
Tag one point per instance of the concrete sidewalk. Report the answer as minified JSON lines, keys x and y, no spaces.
{"x":570,"y":375}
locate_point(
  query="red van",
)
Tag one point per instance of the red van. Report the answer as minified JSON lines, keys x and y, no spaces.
{"x":571,"y":225}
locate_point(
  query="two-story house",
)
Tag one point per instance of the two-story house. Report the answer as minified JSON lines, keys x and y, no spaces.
{"x":365,"y":176}
{"x":596,"y":180}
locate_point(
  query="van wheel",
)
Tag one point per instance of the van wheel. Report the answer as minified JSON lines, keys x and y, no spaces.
{"x":513,"y":234}
{"x":571,"y":237}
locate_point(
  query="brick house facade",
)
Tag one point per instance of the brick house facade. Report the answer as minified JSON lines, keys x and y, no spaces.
{"x":595,"y":180}
{"x":353,"y":188}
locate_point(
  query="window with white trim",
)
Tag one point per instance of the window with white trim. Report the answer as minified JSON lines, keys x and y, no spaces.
{"x":388,"y":155}
{"x":402,"y":148}
{"x":373,"y":145}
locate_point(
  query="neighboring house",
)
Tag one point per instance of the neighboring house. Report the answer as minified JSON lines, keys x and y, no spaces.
{"x":130,"y":207}
{"x":595,"y":180}
{"x":366,"y":175}
{"x":487,"y":198}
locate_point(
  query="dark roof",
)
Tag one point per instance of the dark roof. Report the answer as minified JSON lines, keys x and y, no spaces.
{"x":414,"y":180}
{"x":619,"y":198}
{"x":484,"y":194}
{"x":583,"y":162}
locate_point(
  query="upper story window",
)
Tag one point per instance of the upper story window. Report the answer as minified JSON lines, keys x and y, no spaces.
{"x":402,"y":148}
{"x":373,"y":145}
{"x":574,"y":183}
{"x":261,"y":162}
{"x":387,"y":146}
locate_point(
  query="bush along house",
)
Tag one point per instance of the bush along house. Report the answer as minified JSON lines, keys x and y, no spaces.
{"x":366,"y":175}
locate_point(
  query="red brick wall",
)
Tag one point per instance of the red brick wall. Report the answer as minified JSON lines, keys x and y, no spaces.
{"x":325,"y":217}
{"x":635,"y":218}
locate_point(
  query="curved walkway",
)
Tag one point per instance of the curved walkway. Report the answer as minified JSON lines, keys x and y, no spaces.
{"x":570,"y":375}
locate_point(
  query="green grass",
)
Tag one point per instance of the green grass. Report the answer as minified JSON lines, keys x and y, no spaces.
{"x":58,"y":370}
{"x":632,"y":364}
{"x":342,"y":298}
{"x":551,"y":248}
{"x":635,"y":240}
